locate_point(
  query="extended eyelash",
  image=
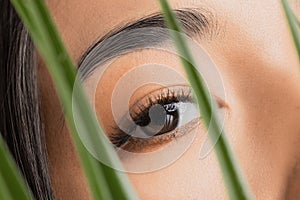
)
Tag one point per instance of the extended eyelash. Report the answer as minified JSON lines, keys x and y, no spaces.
{"x":166,"y":96}
{"x":139,"y":109}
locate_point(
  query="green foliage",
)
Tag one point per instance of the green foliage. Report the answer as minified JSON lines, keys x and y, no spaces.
{"x":105,"y":182}
{"x":293,"y":23}
{"x":12,"y":186}
{"x":236,"y":185}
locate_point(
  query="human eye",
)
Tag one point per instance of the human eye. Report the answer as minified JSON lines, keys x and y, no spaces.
{"x":158,"y":118}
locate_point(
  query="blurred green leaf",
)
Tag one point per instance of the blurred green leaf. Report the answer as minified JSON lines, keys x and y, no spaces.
{"x":12,"y":184}
{"x":236,"y":184}
{"x":4,"y":191}
{"x":293,"y":23}
{"x":105,"y":182}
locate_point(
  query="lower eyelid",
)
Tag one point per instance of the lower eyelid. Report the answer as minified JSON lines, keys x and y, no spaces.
{"x":138,"y":145}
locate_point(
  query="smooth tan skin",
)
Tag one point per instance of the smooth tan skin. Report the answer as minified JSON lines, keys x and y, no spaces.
{"x":255,"y":56}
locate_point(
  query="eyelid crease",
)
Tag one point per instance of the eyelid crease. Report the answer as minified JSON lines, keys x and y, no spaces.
{"x":187,"y":96}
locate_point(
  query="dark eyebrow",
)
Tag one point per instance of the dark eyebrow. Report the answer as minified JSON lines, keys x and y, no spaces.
{"x":149,"y":31}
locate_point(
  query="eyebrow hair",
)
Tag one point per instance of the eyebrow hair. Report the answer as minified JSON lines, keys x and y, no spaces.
{"x":149,"y":31}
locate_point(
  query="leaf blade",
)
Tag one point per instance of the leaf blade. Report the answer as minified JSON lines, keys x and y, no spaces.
{"x":235,"y":182}
{"x":12,"y":184}
{"x":293,"y":23}
{"x":46,"y":38}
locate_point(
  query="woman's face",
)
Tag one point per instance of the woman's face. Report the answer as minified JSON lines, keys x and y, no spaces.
{"x":250,"y":45}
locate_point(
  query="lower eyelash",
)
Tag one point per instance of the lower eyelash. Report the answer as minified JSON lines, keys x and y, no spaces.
{"x":134,"y":144}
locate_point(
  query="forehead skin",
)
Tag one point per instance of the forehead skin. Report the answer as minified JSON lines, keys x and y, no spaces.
{"x":255,"y":54}
{"x":82,"y":23}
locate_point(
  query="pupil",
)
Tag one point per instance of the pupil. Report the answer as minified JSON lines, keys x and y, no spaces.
{"x":143,"y":120}
{"x":166,"y":117}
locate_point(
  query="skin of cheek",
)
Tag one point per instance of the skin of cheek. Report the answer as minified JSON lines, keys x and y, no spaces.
{"x":265,"y":122}
{"x":262,"y":84}
{"x":187,"y":178}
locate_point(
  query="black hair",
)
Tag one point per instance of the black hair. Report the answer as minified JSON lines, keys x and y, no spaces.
{"x":20,"y":119}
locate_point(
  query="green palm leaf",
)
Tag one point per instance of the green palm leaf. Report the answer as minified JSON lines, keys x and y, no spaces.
{"x":236,"y":184}
{"x":293,"y":23}
{"x":105,"y":182}
{"x":12,"y":185}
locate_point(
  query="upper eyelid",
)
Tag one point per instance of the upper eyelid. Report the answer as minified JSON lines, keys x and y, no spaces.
{"x":193,"y":21}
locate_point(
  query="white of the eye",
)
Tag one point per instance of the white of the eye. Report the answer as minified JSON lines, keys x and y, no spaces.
{"x":187,"y":112}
